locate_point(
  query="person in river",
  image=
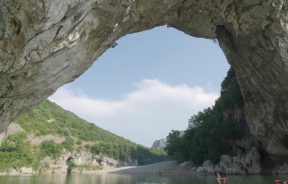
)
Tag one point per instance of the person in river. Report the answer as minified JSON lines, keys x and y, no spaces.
{"x":277,"y":181}
{"x":221,"y":179}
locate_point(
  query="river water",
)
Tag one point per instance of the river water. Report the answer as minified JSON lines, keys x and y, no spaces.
{"x":130,"y":179}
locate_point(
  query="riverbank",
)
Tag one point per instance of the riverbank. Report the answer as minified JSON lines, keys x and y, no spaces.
{"x":167,"y":168}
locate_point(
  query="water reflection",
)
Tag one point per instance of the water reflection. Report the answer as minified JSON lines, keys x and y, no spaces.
{"x":130,"y":179}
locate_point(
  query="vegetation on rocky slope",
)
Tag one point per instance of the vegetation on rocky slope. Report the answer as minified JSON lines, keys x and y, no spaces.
{"x":213,"y":131}
{"x":17,"y":151}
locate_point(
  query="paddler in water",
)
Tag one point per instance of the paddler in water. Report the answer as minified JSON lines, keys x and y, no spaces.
{"x":221,"y":180}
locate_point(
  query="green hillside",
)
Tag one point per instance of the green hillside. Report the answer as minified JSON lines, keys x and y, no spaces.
{"x":50,"y":119}
{"x":213,"y":131}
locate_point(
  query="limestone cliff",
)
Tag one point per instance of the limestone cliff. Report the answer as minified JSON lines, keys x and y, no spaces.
{"x":159,"y":144}
{"x":45,"y":44}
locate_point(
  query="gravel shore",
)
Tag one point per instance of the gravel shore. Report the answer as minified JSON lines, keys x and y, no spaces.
{"x":162,"y":168}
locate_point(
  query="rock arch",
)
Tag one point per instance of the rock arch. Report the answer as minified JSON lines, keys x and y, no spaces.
{"x":45,"y":44}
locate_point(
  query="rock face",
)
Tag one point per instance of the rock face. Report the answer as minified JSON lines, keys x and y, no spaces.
{"x":240,"y":164}
{"x":85,"y":162}
{"x":159,"y":144}
{"x":45,"y":44}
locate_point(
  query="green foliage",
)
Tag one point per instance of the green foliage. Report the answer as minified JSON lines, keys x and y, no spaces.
{"x":129,"y":152}
{"x":145,"y":156}
{"x":15,"y":152}
{"x":68,"y":144}
{"x":89,"y":167}
{"x":51,"y":149}
{"x":79,"y":142}
{"x":48,"y":118}
{"x":176,"y":146}
{"x":212,"y":132}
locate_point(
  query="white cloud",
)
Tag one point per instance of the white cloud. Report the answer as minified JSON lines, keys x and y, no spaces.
{"x":144,"y":115}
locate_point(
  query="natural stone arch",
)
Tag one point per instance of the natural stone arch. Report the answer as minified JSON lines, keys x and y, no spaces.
{"x":45,"y":44}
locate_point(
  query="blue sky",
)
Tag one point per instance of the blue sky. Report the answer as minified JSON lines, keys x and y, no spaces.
{"x":149,"y":84}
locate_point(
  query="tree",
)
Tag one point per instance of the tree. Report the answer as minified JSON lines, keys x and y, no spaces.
{"x":213,"y":131}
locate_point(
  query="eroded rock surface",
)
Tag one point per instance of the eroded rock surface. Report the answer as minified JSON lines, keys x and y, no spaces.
{"x":45,"y":44}
{"x":239,"y":164}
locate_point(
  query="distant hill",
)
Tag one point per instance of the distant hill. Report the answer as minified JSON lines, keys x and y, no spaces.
{"x":159,"y":144}
{"x":51,"y":133}
{"x":162,"y":143}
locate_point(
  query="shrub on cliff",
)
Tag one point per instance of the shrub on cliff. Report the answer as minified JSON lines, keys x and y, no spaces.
{"x":15,"y":152}
{"x":51,"y":149}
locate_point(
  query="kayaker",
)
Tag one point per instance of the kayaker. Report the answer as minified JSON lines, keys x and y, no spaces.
{"x":277,"y":181}
{"x":221,"y":179}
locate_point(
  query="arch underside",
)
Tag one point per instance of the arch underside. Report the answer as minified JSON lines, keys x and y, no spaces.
{"x":46,"y":44}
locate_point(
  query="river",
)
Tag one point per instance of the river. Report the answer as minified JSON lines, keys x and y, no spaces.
{"x":129,"y":179}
